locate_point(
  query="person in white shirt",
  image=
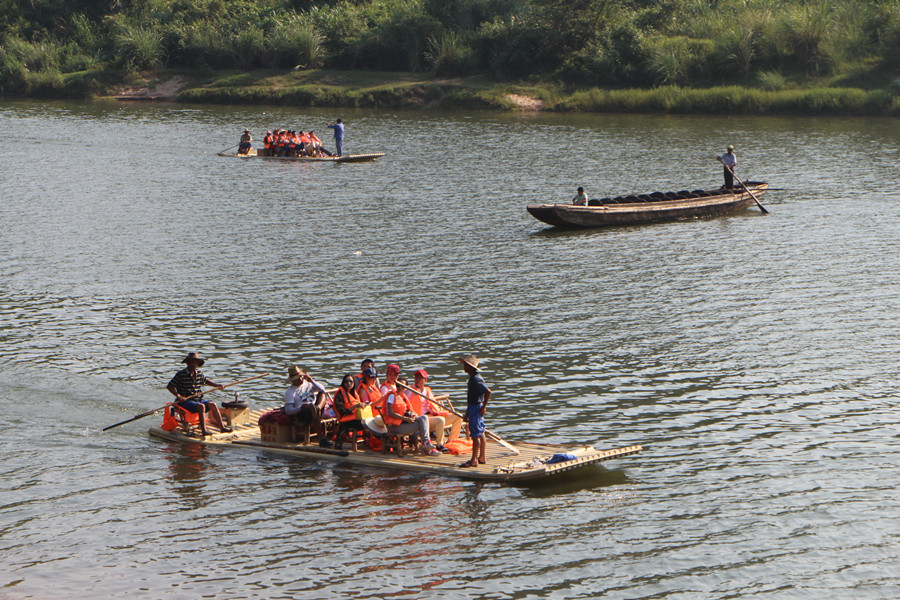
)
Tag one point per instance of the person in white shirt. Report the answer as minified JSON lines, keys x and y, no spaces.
{"x":581,"y":198}
{"x":729,"y":162}
{"x":304,"y":400}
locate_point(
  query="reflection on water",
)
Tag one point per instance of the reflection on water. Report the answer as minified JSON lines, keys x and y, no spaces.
{"x":753,"y":356}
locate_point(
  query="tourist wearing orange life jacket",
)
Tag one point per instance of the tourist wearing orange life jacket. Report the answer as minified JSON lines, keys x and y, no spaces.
{"x":369,"y":392}
{"x":438,"y":419}
{"x":346,"y":402}
{"x":304,"y":144}
{"x":367,"y":363}
{"x":398,"y":415}
{"x":267,"y":143}
{"x":283,"y":143}
{"x":317,"y":144}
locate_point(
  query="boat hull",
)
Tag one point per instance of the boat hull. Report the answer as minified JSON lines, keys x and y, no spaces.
{"x":567,"y":216}
{"x":347,"y":158}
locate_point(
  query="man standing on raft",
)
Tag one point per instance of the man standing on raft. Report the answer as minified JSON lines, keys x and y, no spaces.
{"x":477,"y":398}
{"x":338,"y":127}
{"x":729,"y":162}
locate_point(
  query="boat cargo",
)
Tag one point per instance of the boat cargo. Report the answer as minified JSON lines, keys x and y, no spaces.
{"x":649,"y":208}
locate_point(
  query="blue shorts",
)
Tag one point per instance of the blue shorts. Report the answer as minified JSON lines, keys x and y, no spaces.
{"x":475,"y":420}
{"x":194,"y":405}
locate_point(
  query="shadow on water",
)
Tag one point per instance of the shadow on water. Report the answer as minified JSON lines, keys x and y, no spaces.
{"x":585,"y":478}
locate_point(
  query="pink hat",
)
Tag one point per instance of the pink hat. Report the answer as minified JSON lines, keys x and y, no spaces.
{"x":393,"y":368}
{"x":421,"y":373}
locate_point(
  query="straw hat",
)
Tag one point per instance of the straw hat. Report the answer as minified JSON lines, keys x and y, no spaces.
{"x":376,"y":424}
{"x":470,"y":360}
{"x":295,"y":373}
{"x":194,"y":355}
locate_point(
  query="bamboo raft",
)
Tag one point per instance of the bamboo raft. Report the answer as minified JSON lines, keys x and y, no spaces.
{"x":502,"y":463}
{"x":347,"y":158}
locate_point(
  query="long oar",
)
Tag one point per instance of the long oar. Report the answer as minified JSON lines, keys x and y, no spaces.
{"x":490,"y":434}
{"x":229,"y":148}
{"x":761,"y":207}
{"x":150,"y":412}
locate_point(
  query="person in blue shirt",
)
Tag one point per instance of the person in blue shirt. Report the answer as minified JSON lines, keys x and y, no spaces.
{"x":338,"y":127}
{"x":477,"y":397}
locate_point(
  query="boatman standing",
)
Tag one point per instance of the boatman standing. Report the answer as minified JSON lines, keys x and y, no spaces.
{"x":338,"y":127}
{"x":729,"y":162}
{"x":186,"y":387}
{"x":477,"y":398}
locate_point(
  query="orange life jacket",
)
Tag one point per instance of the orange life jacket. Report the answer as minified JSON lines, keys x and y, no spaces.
{"x":348,"y":401}
{"x":267,"y":141}
{"x":417,"y":403}
{"x":372,"y":395}
{"x":304,"y":138}
{"x":400,"y":408}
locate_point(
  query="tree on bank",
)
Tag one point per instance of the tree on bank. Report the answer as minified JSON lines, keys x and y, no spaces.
{"x":67,"y":47}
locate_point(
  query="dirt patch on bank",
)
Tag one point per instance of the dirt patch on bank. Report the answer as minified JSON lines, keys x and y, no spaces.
{"x":161,"y":91}
{"x":526,"y":102}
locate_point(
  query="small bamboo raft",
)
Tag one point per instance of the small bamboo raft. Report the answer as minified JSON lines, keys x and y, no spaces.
{"x":502,"y":464}
{"x":346,"y":158}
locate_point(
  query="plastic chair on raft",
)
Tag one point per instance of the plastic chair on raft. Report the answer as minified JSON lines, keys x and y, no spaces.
{"x":176,"y":416}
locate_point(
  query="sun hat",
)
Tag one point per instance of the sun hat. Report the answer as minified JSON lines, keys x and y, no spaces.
{"x":393,"y":368}
{"x":295,"y":373}
{"x":376,"y":424}
{"x":195,"y":355}
{"x":470,"y":360}
{"x":729,"y":147}
{"x":421,"y":373}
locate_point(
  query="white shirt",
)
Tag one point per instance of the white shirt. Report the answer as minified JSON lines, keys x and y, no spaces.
{"x":298,"y":395}
{"x":729,"y":160}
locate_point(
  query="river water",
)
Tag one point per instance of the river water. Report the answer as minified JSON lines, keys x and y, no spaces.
{"x":754,"y":356}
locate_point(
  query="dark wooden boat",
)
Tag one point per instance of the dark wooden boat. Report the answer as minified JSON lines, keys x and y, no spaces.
{"x":648,"y":208}
{"x":347,"y":158}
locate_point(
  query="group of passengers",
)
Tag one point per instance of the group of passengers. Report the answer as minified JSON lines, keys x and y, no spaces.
{"x":407,"y":410}
{"x":285,"y":142}
{"x":403,"y":409}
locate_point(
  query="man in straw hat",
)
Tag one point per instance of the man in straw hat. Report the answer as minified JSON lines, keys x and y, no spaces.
{"x":304,"y":400}
{"x":246,"y":142}
{"x":477,"y":398}
{"x":186,"y":386}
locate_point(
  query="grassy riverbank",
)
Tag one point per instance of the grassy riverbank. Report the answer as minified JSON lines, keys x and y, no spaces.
{"x":422,"y":91}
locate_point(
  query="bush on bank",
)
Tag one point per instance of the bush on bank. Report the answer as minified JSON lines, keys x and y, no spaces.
{"x":576,"y":44}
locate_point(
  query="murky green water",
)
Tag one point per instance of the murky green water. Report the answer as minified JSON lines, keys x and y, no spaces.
{"x":754,"y":356}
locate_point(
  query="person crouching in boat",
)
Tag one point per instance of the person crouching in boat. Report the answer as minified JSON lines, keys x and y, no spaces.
{"x":346,"y":402}
{"x":400,"y":417}
{"x":438,"y":420}
{"x":186,"y":386}
{"x":267,"y":144}
{"x":317,"y":145}
{"x":246,"y":142}
{"x":304,"y":400}
{"x":580,"y":198}
{"x":729,"y":162}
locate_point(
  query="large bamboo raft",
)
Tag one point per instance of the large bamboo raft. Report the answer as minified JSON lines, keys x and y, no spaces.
{"x":346,"y":158}
{"x":502,"y":463}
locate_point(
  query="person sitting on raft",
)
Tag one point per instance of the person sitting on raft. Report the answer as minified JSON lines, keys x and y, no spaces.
{"x":369,"y":391}
{"x":438,"y":419}
{"x":345,"y":404}
{"x":186,"y":387}
{"x":318,"y":148}
{"x":304,"y":400}
{"x":367,"y":363}
{"x":246,"y":142}
{"x":580,"y":198}
{"x":399,"y":416}
{"x":267,"y":144}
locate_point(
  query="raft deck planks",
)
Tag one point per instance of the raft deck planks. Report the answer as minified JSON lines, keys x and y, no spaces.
{"x":501,"y":463}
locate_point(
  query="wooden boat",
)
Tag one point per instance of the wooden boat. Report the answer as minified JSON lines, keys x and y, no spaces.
{"x":502,"y":464}
{"x":648,"y":208}
{"x":347,"y":158}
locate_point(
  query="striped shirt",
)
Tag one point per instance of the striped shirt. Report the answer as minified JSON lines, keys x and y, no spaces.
{"x":187,"y":384}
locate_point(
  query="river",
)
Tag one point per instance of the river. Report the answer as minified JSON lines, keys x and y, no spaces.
{"x":753,"y":356}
